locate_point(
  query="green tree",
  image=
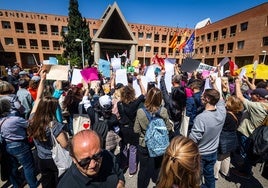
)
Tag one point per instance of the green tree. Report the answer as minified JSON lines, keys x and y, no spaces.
{"x":78,"y":28}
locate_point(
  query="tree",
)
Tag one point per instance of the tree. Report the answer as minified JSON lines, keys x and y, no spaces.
{"x":78,"y":28}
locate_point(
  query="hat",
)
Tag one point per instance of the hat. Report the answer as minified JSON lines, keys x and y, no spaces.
{"x":23,"y":73}
{"x":35,"y":78}
{"x":105,"y":101}
{"x":261,"y":92}
{"x":119,"y":85}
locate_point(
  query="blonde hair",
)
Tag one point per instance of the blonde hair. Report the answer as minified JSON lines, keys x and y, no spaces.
{"x":6,"y":88}
{"x":234,"y":104}
{"x":180,"y":165}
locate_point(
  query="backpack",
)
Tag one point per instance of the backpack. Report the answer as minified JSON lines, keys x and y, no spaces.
{"x":259,"y":145}
{"x":156,"y":136}
{"x":101,"y":127}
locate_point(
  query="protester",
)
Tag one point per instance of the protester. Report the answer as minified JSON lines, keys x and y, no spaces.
{"x":25,"y":97}
{"x":228,"y":138}
{"x":180,"y":167}
{"x":253,"y":116}
{"x":92,"y":166}
{"x":206,"y":131}
{"x":13,"y":79}
{"x":149,"y":166}
{"x":14,"y":135}
{"x":42,"y":120}
{"x":175,"y":102}
{"x":127,"y":108}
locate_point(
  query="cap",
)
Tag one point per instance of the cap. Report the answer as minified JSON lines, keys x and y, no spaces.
{"x":35,"y":78}
{"x":119,"y":85}
{"x":261,"y":92}
{"x":80,"y":85}
{"x":105,"y":101}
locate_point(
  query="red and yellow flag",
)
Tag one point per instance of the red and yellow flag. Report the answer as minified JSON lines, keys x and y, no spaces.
{"x":173,"y":42}
{"x":183,"y":40}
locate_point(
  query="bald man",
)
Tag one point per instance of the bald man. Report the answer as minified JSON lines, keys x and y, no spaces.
{"x":92,"y":166}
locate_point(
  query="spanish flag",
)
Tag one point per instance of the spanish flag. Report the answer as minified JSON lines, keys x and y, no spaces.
{"x":183,"y":40}
{"x":173,"y":42}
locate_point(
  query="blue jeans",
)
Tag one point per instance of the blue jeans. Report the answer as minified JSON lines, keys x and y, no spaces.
{"x":244,"y":146}
{"x":21,"y":154}
{"x":207,"y":166}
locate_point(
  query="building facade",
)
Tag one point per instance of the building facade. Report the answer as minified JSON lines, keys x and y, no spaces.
{"x":29,"y":38}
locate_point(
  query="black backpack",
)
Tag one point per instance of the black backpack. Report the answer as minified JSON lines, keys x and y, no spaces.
{"x":101,"y":127}
{"x":258,"y":151}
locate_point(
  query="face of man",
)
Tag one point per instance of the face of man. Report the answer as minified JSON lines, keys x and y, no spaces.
{"x":87,"y":154}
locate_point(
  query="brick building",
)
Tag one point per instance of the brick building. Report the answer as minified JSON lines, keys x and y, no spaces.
{"x":27,"y":37}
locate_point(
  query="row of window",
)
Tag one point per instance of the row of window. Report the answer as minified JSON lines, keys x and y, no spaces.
{"x":156,"y":37}
{"x":43,"y":29}
{"x":33,"y":43}
{"x":223,"y":33}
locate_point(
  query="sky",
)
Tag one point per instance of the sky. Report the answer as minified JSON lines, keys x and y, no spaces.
{"x":172,"y":13}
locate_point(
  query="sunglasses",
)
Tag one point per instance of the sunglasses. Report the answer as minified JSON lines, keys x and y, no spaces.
{"x":84,"y":163}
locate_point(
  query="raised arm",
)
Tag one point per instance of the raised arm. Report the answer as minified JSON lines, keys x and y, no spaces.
{"x":238,"y":91}
{"x":40,"y":90}
{"x":143,"y":91}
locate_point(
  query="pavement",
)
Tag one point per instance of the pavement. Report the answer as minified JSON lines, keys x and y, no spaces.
{"x":256,"y":181}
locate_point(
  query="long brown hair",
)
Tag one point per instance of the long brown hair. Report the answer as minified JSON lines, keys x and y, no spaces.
{"x":180,"y":165}
{"x":44,"y":114}
{"x":127,"y":94}
{"x":153,"y":100}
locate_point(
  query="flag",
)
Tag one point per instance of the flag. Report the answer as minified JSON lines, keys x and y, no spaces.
{"x":189,"y":47}
{"x":183,"y":40}
{"x":233,"y":67}
{"x":173,"y":42}
{"x":158,"y":60}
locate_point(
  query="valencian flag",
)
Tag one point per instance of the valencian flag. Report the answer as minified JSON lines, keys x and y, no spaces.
{"x":173,"y":42}
{"x":183,"y":40}
{"x":189,"y":47}
{"x":233,"y":67}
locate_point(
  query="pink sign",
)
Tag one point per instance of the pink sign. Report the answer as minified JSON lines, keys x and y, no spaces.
{"x":89,"y":74}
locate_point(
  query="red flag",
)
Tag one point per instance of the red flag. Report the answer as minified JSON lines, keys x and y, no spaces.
{"x":183,"y":40}
{"x":233,"y":67}
{"x":159,"y":60}
{"x":173,"y":42}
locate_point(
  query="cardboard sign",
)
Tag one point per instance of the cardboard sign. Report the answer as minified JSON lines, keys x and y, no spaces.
{"x":104,"y":67}
{"x":76,"y":77}
{"x":190,"y":65}
{"x":58,"y":72}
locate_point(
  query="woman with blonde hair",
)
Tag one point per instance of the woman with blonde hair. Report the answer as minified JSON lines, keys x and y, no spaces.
{"x":181,"y":165}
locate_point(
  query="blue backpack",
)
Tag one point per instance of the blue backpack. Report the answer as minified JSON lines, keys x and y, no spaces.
{"x":156,"y":136}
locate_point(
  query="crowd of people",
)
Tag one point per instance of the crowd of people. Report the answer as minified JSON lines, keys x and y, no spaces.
{"x":221,"y":120}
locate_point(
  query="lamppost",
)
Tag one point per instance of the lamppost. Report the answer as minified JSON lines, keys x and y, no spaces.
{"x":264,"y":51}
{"x":145,"y":45}
{"x":82,"y":45}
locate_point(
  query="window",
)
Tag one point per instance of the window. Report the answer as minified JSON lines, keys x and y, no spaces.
{"x":9,"y":41}
{"x":156,"y":38}
{"x":156,"y":49}
{"x":148,"y":36}
{"x":6,"y":25}
{"x":134,"y":33}
{"x":265,"y":41}
{"x":202,"y":37}
{"x":140,"y":35}
{"x":208,"y":37}
{"x":19,"y":27}
{"x":43,"y":29}
{"x":54,"y":30}
{"x":240,"y":44}
{"x":164,"y":38}
{"x":65,"y":30}
{"x":216,"y":35}
{"x":31,"y":28}
{"x":232,"y":31}
{"x":33,"y":44}
{"x":45,"y":44}
{"x":223,"y":33}
{"x":213,"y":50}
{"x":207,"y":50}
{"x":140,"y":48}
{"x":56,"y":45}
{"x":95,"y":31}
{"x":170,"y":51}
{"x":147,"y":48}
{"x":221,"y":48}
{"x":230,"y":47}
{"x":201,"y":50}
{"x":244,"y":26}
{"x":163,"y":51}
{"x":21,"y":43}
